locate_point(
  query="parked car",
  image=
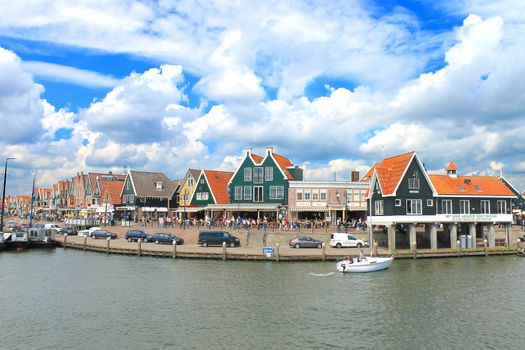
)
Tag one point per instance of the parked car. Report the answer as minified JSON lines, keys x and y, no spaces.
{"x":88,"y":232}
{"x":54,"y":227}
{"x":339,"y":240}
{"x":70,"y":231}
{"x":166,"y":238}
{"x":306,"y":242}
{"x":135,"y":235}
{"x":102,"y":234}
{"x":207,"y":238}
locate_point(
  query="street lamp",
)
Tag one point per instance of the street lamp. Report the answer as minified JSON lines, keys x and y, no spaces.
{"x":185,"y":204}
{"x":346,"y":209}
{"x":3,"y":195}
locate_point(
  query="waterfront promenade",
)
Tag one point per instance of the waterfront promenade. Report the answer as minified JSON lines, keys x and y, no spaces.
{"x":252,"y":243}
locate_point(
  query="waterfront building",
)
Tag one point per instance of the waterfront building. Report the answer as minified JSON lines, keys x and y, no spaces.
{"x":259,"y":186}
{"x":185,"y":193}
{"x":78,"y":191}
{"x":147,"y":194}
{"x":328,"y":201}
{"x":403,"y":195}
{"x":211,"y":193}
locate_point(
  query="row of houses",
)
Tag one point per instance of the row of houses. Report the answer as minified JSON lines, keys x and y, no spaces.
{"x":399,"y":191}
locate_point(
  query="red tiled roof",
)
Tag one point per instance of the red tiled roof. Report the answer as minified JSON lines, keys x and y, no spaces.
{"x":470,"y":185}
{"x":451,"y":166}
{"x":368,"y":175}
{"x":218,"y":182}
{"x":284,"y":163}
{"x":112,"y":190}
{"x":390,"y":171}
{"x":256,"y":158}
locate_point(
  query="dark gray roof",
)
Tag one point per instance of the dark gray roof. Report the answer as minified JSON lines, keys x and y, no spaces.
{"x":145,"y":184}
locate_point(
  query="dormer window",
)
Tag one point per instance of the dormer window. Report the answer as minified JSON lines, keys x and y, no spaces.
{"x":477,"y":188}
{"x":158,"y":185}
{"x":461,"y":188}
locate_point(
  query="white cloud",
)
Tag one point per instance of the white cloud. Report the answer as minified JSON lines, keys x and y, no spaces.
{"x":57,"y":72}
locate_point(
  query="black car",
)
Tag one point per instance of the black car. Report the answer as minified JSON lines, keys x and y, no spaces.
{"x":135,"y":235}
{"x":70,"y":231}
{"x":166,"y":238}
{"x":102,"y":234}
{"x":207,"y":238}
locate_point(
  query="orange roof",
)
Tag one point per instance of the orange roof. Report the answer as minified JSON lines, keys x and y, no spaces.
{"x":390,"y":171}
{"x":284,"y":163}
{"x":112,"y":190}
{"x":451,"y":166}
{"x":256,"y":158}
{"x":470,"y":185}
{"x":218,"y":182}
{"x":368,"y":175}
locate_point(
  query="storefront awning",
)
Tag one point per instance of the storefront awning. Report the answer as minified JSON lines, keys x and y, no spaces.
{"x":189,"y":209}
{"x":316,"y":209}
{"x":125,"y":208}
{"x":244,"y":207}
{"x":157,"y":209}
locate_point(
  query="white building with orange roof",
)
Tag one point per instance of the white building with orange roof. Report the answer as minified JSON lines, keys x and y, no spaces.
{"x":450,"y":206}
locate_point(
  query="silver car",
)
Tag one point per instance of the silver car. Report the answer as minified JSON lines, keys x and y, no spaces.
{"x":306,"y":242}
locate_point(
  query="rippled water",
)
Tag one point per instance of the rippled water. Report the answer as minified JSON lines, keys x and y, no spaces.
{"x":82,"y":300}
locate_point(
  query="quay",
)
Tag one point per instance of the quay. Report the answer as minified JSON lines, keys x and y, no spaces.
{"x":252,"y":243}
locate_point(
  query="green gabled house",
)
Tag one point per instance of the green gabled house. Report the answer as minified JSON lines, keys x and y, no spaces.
{"x":259,"y":186}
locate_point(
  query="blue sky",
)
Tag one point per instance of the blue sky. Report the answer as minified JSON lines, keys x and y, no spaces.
{"x":168,"y":86}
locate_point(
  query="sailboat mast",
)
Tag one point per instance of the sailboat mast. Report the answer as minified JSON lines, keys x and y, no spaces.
{"x":32,"y":202}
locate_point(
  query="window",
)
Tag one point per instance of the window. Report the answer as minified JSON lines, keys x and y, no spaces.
{"x":315,"y":195}
{"x":248,"y":193}
{"x":356,"y":196}
{"x":379,"y":208}
{"x":502,"y":207}
{"x":299,"y":195}
{"x":446,"y":206}
{"x":238,"y":193}
{"x":257,"y":193}
{"x":158,"y":185}
{"x":268,"y":173}
{"x":202,"y":196}
{"x":430,"y":202}
{"x":322,"y":194}
{"x":461,"y":188}
{"x":477,"y":188}
{"x":413,"y":183}
{"x":247,"y":174}
{"x":258,"y":175}
{"x":398,"y":202}
{"x":485,"y":207}
{"x":363,"y":195}
{"x":464,"y":207}
{"x":202,"y":181}
{"x":276,"y":192}
{"x":307,"y":194}
{"x":414,"y":206}
{"x":124,"y":198}
{"x":190,"y":182}
{"x":131,"y":198}
{"x":127,"y":185}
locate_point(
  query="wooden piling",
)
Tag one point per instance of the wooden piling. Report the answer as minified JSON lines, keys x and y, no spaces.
{"x":277,"y":251}
{"x":140,"y":247}
{"x":323,"y":252}
{"x":85,"y":242}
{"x":174,"y":249}
{"x":108,"y":244}
{"x":65,"y":241}
{"x":223,"y":250}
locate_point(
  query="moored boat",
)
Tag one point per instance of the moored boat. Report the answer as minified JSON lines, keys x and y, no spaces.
{"x":368,"y":264}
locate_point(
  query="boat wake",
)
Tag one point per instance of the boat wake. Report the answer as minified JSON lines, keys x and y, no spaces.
{"x":321,"y":274}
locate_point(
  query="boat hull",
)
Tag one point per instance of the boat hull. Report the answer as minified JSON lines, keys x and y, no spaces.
{"x":370,"y":264}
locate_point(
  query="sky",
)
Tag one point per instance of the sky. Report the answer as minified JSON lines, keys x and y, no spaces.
{"x":334,"y":86}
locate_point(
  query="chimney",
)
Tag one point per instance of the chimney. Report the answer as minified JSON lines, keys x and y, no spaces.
{"x":248,"y":151}
{"x":269,"y":150}
{"x":355,"y":176}
{"x":452,"y":170}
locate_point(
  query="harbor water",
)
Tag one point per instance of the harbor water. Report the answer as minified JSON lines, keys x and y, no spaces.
{"x":69,"y":299}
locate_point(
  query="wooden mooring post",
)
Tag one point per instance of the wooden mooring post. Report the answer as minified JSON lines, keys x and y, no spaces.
{"x":174,"y":249}
{"x":223,"y":250}
{"x":140,"y":247}
{"x":323,"y":252}
{"x":277,"y":257}
{"x":85,"y":243}
{"x":108,"y":244}
{"x":65,"y":240}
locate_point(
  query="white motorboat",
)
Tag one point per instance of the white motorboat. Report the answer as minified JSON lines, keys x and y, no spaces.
{"x":368,"y":264}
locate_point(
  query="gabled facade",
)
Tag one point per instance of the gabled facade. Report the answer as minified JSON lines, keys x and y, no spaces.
{"x":263,"y":180}
{"x":147,"y":194}
{"x":187,"y":187}
{"x":402,"y":192}
{"x":211,"y":188}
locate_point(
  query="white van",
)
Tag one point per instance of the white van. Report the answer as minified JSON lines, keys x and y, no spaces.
{"x":53,"y":227}
{"x":339,"y":240}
